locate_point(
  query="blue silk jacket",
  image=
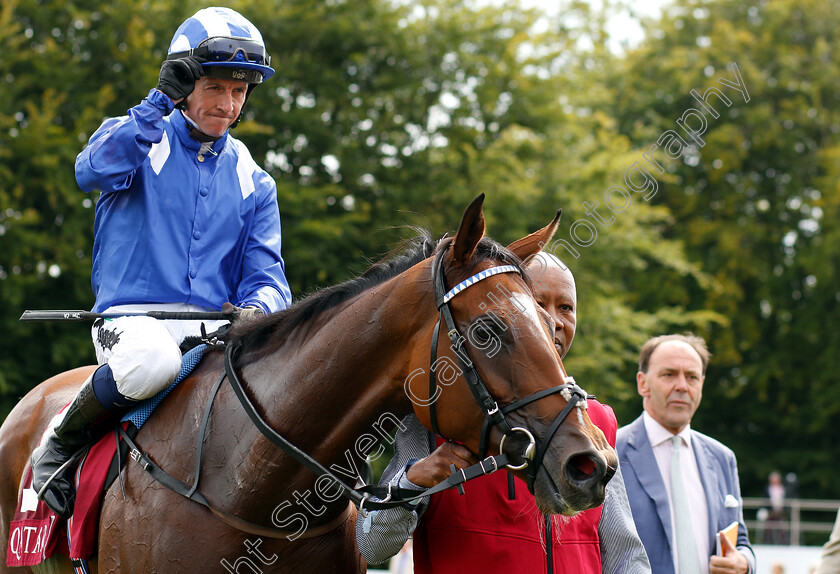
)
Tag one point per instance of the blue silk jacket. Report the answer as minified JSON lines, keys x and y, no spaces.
{"x":174,"y":225}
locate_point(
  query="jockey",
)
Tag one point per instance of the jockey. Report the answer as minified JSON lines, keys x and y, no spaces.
{"x":186,"y":221}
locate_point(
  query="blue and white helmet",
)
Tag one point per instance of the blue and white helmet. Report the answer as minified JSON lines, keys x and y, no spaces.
{"x":225,"y":40}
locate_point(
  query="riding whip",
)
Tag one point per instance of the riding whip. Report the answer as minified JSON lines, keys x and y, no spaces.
{"x":49,"y":315}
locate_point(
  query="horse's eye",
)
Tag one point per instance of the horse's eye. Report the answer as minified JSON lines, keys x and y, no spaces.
{"x":486,"y":328}
{"x":486,"y":335}
{"x":483,"y":329}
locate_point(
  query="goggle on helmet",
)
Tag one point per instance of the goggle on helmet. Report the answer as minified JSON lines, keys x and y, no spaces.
{"x":226,"y":41}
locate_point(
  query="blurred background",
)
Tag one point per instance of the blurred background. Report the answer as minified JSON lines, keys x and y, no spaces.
{"x":388,"y":114}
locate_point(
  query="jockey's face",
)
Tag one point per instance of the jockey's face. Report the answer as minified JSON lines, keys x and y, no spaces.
{"x":215,"y":104}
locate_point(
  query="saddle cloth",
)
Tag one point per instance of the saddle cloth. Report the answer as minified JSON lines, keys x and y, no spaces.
{"x":36,"y":533}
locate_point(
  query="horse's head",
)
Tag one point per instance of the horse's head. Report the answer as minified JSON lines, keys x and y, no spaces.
{"x":518,"y":398}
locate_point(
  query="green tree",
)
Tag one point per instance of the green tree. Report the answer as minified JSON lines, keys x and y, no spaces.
{"x":750,"y":200}
{"x":442,"y":102}
{"x":66,"y":66}
{"x":381,"y":115}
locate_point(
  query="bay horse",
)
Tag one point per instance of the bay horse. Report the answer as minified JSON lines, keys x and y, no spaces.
{"x":324,"y":374}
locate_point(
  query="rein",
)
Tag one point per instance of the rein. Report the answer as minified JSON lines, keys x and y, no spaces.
{"x":389,"y":496}
{"x":191,"y":492}
{"x":392,"y":496}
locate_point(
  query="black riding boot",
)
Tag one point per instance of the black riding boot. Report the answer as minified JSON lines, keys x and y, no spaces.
{"x":82,"y":425}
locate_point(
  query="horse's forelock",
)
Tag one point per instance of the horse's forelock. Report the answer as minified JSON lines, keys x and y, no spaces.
{"x":489,"y":249}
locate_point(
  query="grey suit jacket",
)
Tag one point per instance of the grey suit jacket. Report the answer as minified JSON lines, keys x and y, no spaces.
{"x":649,"y":499}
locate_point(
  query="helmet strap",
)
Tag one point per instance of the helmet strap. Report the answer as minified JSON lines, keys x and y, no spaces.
{"x":245,"y":103}
{"x":196,"y":133}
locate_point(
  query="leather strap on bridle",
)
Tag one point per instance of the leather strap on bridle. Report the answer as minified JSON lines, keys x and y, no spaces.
{"x":577,"y":394}
{"x":493,"y":415}
{"x":433,"y":381}
{"x":479,"y":390}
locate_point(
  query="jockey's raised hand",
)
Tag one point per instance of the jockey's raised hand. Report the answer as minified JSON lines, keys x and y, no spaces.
{"x":178,"y":77}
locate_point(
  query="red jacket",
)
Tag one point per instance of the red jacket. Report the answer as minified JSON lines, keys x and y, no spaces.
{"x":484,"y":531}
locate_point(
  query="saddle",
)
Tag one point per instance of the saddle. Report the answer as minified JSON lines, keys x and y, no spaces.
{"x":36,"y":533}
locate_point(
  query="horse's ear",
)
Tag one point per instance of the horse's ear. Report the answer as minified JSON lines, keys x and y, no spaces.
{"x":533,"y":244}
{"x":470,"y":232}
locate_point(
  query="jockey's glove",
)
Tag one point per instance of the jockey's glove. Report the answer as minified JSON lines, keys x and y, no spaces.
{"x":250,"y":312}
{"x":178,"y":77}
{"x":238,"y":313}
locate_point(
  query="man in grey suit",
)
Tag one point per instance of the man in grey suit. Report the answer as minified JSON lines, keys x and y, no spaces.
{"x":682,"y":485}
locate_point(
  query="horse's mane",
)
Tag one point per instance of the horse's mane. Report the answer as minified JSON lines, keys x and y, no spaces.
{"x":277,"y":327}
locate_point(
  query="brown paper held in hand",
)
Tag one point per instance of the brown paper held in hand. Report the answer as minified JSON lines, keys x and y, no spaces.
{"x":730,"y":532}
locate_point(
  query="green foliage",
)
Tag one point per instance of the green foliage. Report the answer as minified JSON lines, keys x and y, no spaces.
{"x":751,"y":207}
{"x":66,"y":65}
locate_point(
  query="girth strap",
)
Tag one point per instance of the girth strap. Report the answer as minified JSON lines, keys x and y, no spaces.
{"x":163,"y":477}
{"x":240,"y":524}
{"x":192,"y":493}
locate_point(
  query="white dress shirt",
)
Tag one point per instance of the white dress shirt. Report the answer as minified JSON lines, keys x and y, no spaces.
{"x":660,"y":440}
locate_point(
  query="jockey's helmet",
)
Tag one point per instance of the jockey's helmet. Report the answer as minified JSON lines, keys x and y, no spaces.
{"x":226,"y":43}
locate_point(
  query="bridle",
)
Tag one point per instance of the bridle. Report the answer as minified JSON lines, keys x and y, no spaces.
{"x":375,"y":497}
{"x":534,"y":452}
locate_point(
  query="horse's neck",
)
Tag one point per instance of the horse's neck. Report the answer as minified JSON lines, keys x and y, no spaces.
{"x":339,"y":392}
{"x":357,"y":358}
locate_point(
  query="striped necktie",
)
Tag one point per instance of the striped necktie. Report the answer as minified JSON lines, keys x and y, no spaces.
{"x":687,"y":560}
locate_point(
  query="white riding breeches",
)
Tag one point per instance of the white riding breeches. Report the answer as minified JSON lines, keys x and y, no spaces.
{"x":143,"y":352}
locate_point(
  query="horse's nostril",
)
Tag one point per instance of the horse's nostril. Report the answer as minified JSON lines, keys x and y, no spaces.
{"x":581,"y":467}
